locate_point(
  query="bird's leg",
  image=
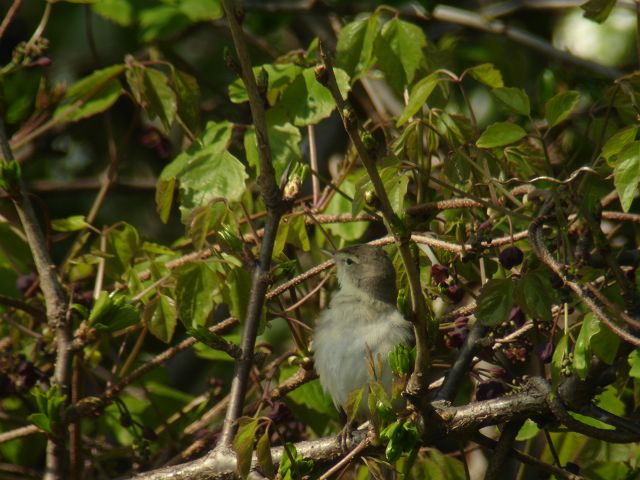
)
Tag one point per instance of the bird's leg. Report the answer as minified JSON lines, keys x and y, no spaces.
{"x":344,"y":435}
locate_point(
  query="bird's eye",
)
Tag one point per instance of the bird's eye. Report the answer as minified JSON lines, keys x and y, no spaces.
{"x":348,"y":261}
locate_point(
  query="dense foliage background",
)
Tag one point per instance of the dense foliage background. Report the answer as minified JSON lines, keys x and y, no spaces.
{"x":491,"y":145}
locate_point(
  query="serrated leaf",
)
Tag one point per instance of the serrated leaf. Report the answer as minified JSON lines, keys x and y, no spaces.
{"x":533,"y":297}
{"x":618,"y":141}
{"x":560,"y":107}
{"x":488,"y":74}
{"x":161,"y":317}
{"x":243,"y":444}
{"x":355,"y":45}
{"x":515,"y":99}
{"x":418,"y":97}
{"x":626,"y":174}
{"x":598,"y":10}
{"x":399,"y":50}
{"x":500,"y":134}
{"x":206,"y":172}
{"x":69,"y":224}
{"x":306,"y":101}
{"x":194,"y":299}
{"x":284,"y":144}
{"x":90,"y":95}
{"x":495,"y":302}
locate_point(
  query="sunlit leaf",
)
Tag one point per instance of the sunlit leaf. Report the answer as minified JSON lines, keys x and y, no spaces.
{"x":355,"y":45}
{"x":488,"y":74}
{"x":418,"y":97}
{"x":400,"y":51}
{"x":69,"y":224}
{"x":160,"y":315}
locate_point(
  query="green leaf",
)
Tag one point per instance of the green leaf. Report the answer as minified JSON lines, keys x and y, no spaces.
{"x":598,"y":10}
{"x":90,"y":95}
{"x":528,"y":430}
{"x":263,"y":453}
{"x":515,"y":99}
{"x":634,"y":363}
{"x":618,"y":141}
{"x":605,"y":345}
{"x":121,"y":12}
{"x":626,"y":174}
{"x":162,"y":20}
{"x":533,"y":295}
{"x":351,"y":231}
{"x":164,"y":197}
{"x":284,"y":144}
{"x":206,"y":172}
{"x":307,"y":101}
{"x":194,"y":286}
{"x":610,"y":401}
{"x":593,"y":422}
{"x":294,"y":232}
{"x":355,"y":45}
{"x":69,"y":224}
{"x":560,"y":107}
{"x":188,"y":98}
{"x":582,"y":349}
{"x":500,"y":134}
{"x":236,"y":292}
{"x":160,"y":315}
{"x":495,"y":302}
{"x":437,"y":466}
{"x":151,"y":90}
{"x":399,"y":50}
{"x":560,"y":353}
{"x":418,"y":97}
{"x":280,"y":76}
{"x":487,"y":74}
{"x":41,"y":420}
{"x":243,"y":444}
{"x":112,"y":313}
{"x":123,"y":244}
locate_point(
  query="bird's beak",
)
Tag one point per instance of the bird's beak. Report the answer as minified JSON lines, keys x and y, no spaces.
{"x":328,"y":252}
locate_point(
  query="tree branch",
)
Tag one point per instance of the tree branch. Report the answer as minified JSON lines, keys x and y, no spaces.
{"x":54,"y":299}
{"x":275,"y":208}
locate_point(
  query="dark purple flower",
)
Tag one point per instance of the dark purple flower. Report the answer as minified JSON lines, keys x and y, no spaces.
{"x":511,"y":257}
{"x":489,"y":389}
{"x":439,"y":274}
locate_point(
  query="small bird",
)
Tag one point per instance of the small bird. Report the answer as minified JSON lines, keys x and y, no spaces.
{"x":361,"y":323}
